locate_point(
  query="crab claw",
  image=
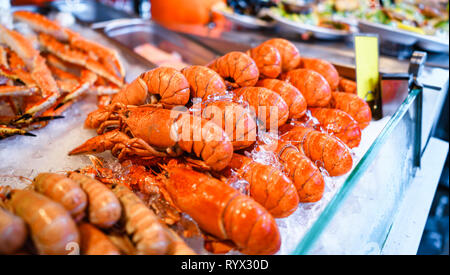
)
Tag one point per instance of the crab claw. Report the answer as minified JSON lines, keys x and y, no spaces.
{"x":27,"y":119}
{"x":101,"y":143}
{"x":6,"y":131}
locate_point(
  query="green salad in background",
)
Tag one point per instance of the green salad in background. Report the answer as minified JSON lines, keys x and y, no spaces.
{"x":413,"y":16}
{"x":422,"y":17}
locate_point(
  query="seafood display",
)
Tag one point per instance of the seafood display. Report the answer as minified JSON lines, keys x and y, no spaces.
{"x":51,"y":228}
{"x":220,"y":152}
{"x":53,"y":231}
{"x":42,"y":73}
{"x":222,"y":211}
{"x":190,"y":153}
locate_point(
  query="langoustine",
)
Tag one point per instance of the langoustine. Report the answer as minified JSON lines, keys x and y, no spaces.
{"x":148,"y":234}
{"x":95,"y":242}
{"x":13,"y":232}
{"x":52,"y":229}
{"x":63,"y":190}
{"x":104,"y":208}
{"x":141,"y":180}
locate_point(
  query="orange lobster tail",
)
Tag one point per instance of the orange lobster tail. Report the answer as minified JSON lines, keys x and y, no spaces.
{"x":290,"y":56}
{"x":272,"y":102}
{"x":268,"y":185}
{"x":312,"y":85}
{"x":323,"y":67}
{"x":306,"y":177}
{"x":354,"y":106}
{"x":237,"y":68}
{"x":321,"y":148}
{"x":222,"y":211}
{"x":268,"y":60}
{"x":204,"y":82}
{"x":340,"y":124}
{"x":294,"y":99}
{"x":167,"y":83}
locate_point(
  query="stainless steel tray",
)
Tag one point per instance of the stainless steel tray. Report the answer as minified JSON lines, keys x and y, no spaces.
{"x":134,"y":32}
{"x":427,"y":42}
{"x":318,"y":32}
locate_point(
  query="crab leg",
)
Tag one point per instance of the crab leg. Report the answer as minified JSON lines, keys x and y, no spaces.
{"x":15,"y":68}
{"x":14,"y":104}
{"x":60,"y":34}
{"x":63,"y":52}
{"x":3,"y":57}
{"x":17,"y":90}
{"x":67,"y":82}
{"x":34,"y":123}
{"x":18,"y":74}
{"x":41,"y":24}
{"x":36,"y":65}
{"x":79,"y":42}
{"x":105,"y":90}
{"x":6,"y":131}
{"x":87,"y":79}
{"x":62,"y":65}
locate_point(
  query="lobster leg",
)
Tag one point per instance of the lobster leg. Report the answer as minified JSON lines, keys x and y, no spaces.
{"x":137,"y":147}
{"x":3,"y":57}
{"x":120,"y":144}
{"x":101,"y":143}
{"x":18,"y":74}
